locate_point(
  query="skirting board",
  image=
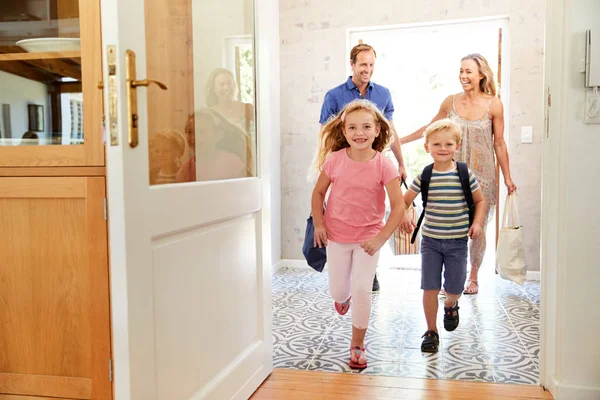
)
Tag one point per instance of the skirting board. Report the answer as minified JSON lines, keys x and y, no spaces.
{"x":531,"y":275}
{"x":294,"y":264}
{"x":275,"y":267}
{"x":563,"y":391}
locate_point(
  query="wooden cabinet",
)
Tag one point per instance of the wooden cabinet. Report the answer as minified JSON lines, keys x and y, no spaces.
{"x":60,"y":78}
{"x":54,"y":293}
{"x":55,"y":328}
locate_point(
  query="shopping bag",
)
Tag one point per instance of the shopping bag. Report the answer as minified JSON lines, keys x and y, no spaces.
{"x":400,"y":242}
{"x":510,"y":252}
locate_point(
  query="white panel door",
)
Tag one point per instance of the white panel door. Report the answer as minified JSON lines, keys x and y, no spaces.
{"x":188,"y":197}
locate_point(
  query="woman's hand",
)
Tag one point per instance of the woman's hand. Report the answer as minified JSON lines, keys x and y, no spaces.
{"x":320,"y":236}
{"x":372,"y":245}
{"x":510,"y":185}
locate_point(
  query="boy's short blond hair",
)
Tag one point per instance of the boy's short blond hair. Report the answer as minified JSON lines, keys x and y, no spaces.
{"x":172,"y":136}
{"x":445,"y":124}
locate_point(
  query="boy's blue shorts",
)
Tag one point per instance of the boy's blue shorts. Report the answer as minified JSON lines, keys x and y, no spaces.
{"x":452,"y":255}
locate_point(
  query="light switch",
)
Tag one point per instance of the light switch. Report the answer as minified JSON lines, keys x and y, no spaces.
{"x":527,"y":134}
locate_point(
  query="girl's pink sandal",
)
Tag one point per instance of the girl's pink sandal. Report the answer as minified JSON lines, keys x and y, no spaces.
{"x":358,"y":358}
{"x":342,"y":308}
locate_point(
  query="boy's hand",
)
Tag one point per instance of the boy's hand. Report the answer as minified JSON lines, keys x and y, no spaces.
{"x":320,"y":236}
{"x":372,"y":245}
{"x":407,"y":225}
{"x":475,"y":230}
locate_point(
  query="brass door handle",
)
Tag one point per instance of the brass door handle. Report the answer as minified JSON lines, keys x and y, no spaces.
{"x":148,"y":82}
{"x":132,"y":107}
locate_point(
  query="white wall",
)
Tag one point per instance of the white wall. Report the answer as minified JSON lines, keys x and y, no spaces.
{"x":314,"y":58}
{"x":571,"y":218}
{"x":19,"y":92}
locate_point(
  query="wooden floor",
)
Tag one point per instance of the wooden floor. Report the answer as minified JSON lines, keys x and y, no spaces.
{"x":299,"y":385}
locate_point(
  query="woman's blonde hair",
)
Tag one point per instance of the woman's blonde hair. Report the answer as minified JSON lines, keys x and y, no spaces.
{"x":209,"y":90}
{"x":487,"y":84}
{"x":445,"y":124}
{"x":332,"y":136}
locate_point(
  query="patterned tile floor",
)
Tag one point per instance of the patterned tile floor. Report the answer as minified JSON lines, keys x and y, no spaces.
{"x":497,"y":340}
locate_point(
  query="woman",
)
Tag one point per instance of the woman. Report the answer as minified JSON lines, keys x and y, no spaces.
{"x":480,"y":114}
{"x":221,"y":95}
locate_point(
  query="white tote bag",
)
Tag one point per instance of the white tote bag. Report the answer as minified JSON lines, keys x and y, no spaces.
{"x":510,"y":253}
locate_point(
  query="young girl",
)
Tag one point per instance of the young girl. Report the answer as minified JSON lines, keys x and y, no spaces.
{"x":350,"y":161}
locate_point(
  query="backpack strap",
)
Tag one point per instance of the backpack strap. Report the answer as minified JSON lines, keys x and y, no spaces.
{"x":425,"y":179}
{"x":463,"y":174}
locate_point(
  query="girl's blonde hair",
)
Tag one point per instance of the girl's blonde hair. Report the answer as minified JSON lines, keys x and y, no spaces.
{"x":332,"y":136}
{"x":487,"y":84}
{"x":445,"y":124}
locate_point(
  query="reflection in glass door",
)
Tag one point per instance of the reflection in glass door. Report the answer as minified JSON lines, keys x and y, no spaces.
{"x":203,"y":128}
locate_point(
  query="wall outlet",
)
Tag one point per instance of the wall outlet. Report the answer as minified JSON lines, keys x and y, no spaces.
{"x":527,"y":134}
{"x":591,"y":114}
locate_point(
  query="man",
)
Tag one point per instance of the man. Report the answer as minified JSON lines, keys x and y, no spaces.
{"x":359,"y":86}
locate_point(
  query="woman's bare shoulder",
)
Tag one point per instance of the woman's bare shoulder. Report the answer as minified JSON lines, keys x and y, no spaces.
{"x":447,"y":103}
{"x":497,"y":108}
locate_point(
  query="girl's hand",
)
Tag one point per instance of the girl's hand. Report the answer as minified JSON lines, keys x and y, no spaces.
{"x":475,"y":230}
{"x":320,"y":236}
{"x":510,"y":185}
{"x":407,"y":225}
{"x":373,"y":245}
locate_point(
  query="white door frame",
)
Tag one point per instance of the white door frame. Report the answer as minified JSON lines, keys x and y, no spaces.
{"x":550,"y":309}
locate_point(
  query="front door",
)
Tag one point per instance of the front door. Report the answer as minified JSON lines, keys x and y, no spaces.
{"x":189,"y":243}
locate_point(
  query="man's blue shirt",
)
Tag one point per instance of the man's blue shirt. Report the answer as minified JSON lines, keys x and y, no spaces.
{"x":339,"y":96}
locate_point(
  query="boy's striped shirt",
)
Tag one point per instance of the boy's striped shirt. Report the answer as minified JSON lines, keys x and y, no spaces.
{"x":446,"y":213}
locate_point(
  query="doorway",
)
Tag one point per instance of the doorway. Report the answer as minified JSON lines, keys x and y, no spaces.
{"x":406,"y":63}
{"x":498,"y":340}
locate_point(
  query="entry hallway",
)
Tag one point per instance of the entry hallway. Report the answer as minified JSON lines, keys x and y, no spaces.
{"x":497,"y":340}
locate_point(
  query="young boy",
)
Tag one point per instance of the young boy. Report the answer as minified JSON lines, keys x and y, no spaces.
{"x":445,"y":229}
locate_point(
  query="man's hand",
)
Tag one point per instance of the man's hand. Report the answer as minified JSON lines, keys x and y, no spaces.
{"x":402,"y":173}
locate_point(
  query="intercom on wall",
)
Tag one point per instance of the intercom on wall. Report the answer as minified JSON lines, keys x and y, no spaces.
{"x":592,"y":77}
{"x":592,"y":59}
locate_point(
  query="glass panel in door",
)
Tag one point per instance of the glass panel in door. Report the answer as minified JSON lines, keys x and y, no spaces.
{"x":203,"y":127}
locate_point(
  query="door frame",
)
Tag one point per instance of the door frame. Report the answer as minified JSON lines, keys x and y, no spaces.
{"x":553,"y":175}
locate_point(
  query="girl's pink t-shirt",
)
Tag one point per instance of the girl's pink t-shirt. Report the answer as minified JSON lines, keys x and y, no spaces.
{"x":356,"y":204}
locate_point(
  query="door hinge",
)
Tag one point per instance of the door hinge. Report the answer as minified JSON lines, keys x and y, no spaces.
{"x":110,"y":372}
{"x":105,"y":210}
